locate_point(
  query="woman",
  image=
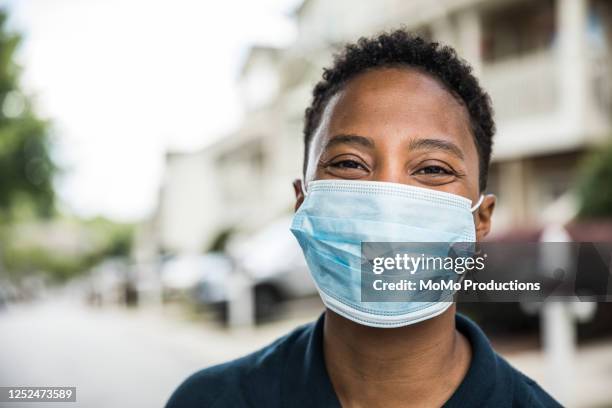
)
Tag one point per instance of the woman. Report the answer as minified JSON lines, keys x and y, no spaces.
{"x":398,"y":141}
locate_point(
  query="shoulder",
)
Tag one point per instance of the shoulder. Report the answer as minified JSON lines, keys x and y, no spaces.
{"x":252,"y":378}
{"x":525,"y":391}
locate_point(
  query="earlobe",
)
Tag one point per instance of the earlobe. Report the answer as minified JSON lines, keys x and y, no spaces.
{"x":484,"y":215}
{"x":299,"y":193}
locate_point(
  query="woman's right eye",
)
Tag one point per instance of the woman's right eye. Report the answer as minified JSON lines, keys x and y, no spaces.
{"x":347,"y":168}
{"x":347,"y":164}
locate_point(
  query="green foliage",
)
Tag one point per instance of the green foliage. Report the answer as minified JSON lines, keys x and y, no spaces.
{"x":220,"y":241}
{"x":112,"y":239}
{"x":595,"y":185}
{"x":35,"y":255}
{"x":26,"y":168}
{"x":36,"y":260}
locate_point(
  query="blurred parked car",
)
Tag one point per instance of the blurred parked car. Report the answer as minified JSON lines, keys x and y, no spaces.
{"x":8,"y":293}
{"x":147,"y":280}
{"x":110,"y":282}
{"x":273,"y":262}
{"x":182,"y":274}
{"x":504,"y":318}
{"x":5,"y":294}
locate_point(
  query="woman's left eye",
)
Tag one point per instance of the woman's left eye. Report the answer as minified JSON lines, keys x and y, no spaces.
{"x":435,"y":170}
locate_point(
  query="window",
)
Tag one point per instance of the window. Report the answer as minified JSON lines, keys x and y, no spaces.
{"x":518,"y":29}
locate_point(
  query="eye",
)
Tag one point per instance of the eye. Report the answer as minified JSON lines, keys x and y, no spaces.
{"x":435,"y":175}
{"x":348,"y":167}
{"x":348,"y":164}
{"x":434,"y":170}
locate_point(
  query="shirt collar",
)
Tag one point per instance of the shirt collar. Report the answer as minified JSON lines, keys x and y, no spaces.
{"x":480,"y":380}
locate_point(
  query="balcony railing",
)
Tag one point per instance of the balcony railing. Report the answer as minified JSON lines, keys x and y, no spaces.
{"x":522,"y":87}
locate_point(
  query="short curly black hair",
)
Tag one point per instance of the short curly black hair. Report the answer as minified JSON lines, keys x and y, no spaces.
{"x":400,"y":48}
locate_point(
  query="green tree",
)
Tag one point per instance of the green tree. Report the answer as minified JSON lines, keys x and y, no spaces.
{"x":32,"y":253}
{"x":595,"y":184}
{"x":26,"y":168}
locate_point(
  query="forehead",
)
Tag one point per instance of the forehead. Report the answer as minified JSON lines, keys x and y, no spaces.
{"x":402,"y":102}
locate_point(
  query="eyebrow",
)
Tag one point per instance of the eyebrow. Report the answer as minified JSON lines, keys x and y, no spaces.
{"x":349,"y":139}
{"x":437,"y":144}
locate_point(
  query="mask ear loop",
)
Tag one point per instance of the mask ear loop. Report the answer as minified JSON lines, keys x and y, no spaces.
{"x":477,"y":249}
{"x":304,"y":187}
{"x":480,"y":200}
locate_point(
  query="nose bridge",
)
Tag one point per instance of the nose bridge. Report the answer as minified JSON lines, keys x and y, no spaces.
{"x":389,"y":165}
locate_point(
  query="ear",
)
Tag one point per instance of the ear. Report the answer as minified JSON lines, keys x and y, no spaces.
{"x":299,"y":193}
{"x":483,"y":217}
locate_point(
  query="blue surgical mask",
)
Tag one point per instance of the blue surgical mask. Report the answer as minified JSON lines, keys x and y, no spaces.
{"x":338,"y":215}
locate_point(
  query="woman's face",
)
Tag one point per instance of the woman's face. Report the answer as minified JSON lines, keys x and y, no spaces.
{"x":398,"y":125}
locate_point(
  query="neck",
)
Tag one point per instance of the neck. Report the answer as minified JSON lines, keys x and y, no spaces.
{"x":417,"y":365}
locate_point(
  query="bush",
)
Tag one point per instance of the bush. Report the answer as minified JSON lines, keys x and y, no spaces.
{"x":595,"y":185}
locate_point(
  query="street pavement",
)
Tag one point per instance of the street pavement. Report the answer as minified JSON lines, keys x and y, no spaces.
{"x":114,"y":357}
{"x":135,"y":358}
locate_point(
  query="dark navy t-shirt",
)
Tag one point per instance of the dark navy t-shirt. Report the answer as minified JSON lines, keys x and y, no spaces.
{"x":291,"y":373}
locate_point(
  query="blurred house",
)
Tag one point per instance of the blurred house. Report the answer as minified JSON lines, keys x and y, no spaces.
{"x":243,"y":181}
{"x":546,"y":64}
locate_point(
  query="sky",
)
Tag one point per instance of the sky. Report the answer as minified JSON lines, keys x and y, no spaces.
{"x":124,"y":81}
